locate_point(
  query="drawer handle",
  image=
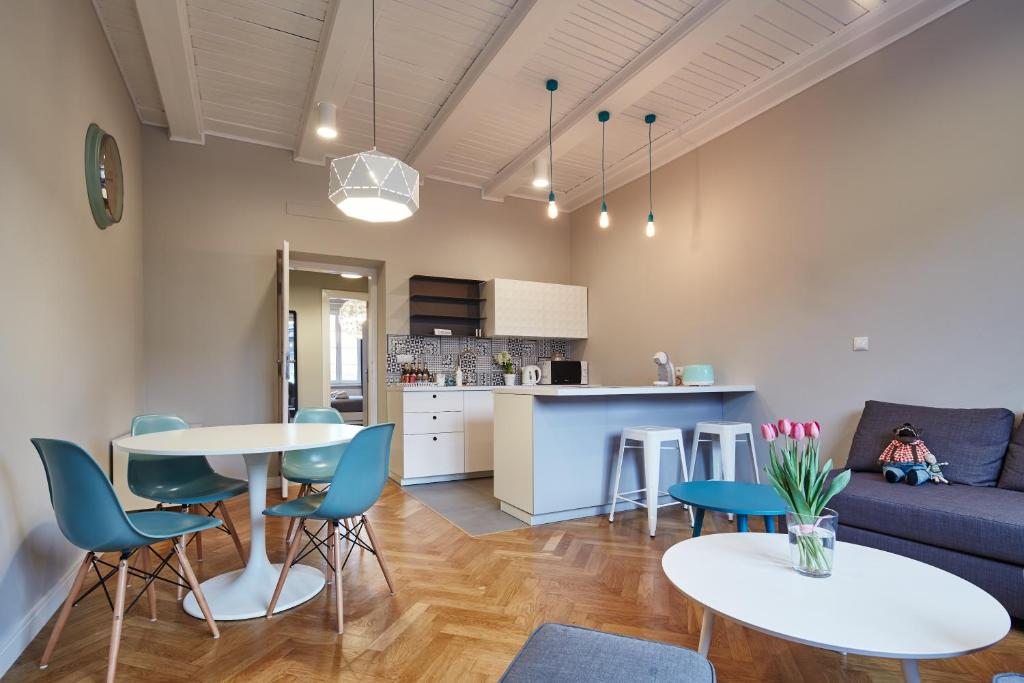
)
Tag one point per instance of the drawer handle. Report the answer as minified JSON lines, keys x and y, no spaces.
{"x":435,"y":396}
{"x":434,"y":417}
{"x":435,"y":438}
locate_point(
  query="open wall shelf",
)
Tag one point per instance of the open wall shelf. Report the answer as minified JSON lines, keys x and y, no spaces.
{"x":445,"y":303}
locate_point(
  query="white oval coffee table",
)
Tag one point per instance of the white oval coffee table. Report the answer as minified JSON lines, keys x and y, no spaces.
{"x":875,"y":603}
{"x":246,"y":593}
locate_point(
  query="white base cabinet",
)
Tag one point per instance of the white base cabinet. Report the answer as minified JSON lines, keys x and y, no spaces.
{"x":440,"y":433}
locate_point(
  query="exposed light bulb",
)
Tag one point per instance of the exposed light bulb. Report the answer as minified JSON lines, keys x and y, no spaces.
{"x":540,"y":173}
{"x":328,"y":125}
{"x":552,"y":206}
{"x":650,"y":225}
{"x":602,"y":220}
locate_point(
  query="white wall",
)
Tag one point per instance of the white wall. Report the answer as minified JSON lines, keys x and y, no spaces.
{"x":71,"y":295}
{"x":886,"y":201}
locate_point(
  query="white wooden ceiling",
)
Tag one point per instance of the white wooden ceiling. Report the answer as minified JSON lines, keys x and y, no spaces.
{"x":460,"y":83}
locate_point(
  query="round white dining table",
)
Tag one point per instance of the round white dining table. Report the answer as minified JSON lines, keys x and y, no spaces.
{"x":875,"y":603}
{"x":246,"y":593}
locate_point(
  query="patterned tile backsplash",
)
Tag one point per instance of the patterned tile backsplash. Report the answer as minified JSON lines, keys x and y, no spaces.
{"x":439,"y":354}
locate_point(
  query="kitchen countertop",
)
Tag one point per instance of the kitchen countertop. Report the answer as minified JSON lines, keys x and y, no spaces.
{"x":598,"y":390}
{"x":433,"y":388}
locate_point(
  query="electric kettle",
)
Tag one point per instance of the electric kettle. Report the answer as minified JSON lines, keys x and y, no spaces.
{"x":531,"y":375}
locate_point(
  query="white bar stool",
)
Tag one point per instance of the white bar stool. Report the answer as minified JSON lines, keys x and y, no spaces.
{"x":652,"y":440}
{"x":723,"y":450}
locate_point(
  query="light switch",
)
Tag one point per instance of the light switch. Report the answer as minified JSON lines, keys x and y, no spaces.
{"x":860,"y":343}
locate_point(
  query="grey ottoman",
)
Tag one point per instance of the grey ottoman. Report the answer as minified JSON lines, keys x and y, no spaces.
{"x":556,"y":652}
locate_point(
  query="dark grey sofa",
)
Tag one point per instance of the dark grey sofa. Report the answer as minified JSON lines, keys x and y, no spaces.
{"x":973,"y":527}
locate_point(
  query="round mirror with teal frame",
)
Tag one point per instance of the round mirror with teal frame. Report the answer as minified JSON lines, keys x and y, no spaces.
{"x":104,"y":181}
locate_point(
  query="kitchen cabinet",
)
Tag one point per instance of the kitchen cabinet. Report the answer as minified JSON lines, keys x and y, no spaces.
{"x":441,"y":433}
{"x":520,"y":308}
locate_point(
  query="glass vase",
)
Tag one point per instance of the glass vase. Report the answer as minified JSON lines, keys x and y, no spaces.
{"x":812,"y":542}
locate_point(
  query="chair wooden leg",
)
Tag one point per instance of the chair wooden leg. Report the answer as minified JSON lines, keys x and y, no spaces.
{"x":151,"y":589}
{"x":233,"y":531}
{"x":199,"y":546}
{"x":293,"y":550}
{"x":328,"y":572}
{"x":181,"y":568}
{"x":293,"y":527}
{"x":115,"y":631}
{"x":179,"y":549}
{"x":339,"y":594}
{"x":65,"y":611}
{"x":380,"y":554}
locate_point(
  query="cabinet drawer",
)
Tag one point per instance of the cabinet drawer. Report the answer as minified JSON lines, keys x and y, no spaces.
{"x":430,"y":455}
{"x":431,"y":401}
{"x":430,"y":423}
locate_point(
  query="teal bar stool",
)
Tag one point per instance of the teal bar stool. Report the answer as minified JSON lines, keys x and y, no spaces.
{"x":356,"y":486}
{"x":186,"y":481}
{"x":312,"y":468}
{"x":90,"y":517}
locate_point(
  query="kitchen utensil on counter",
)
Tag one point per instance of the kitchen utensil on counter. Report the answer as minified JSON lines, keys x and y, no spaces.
{"x":666,"y":371}
{"x":440,"y":377}
{"x":531,"y":375}
{"x":702,"y":375}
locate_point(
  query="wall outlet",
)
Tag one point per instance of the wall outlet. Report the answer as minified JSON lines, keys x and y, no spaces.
{"x":860,"y":343}
{"x":405,"y":358}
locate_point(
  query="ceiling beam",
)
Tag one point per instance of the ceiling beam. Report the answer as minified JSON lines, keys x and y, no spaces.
{"x":169,"y":42}
{"x":697,"y":31}
{"x":343,"y":47}
{"x":516,"y":40}
{"x":880,"y":27}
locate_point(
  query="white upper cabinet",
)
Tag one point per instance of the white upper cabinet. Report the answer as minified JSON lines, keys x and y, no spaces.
{"x":519,"y":308}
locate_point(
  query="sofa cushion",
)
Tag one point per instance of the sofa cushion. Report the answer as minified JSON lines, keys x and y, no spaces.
{"x":972,"y":440}
{"x":1013,"y":467}
{"x":556,"y":652}
{"x":983,"y":521}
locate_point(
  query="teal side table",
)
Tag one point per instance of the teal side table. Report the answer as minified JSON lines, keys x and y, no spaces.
{"x":740,"y":498}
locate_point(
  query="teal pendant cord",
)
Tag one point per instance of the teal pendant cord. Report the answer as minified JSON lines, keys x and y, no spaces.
{"x":602,"y":220}
{"x":649,"y":120}
{"x":552,"y":86}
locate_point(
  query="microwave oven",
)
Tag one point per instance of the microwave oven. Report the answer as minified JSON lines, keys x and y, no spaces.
{"x":563,"y":372}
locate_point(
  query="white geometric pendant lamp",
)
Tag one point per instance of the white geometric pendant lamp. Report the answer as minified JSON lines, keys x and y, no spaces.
{"x":374,"y":187}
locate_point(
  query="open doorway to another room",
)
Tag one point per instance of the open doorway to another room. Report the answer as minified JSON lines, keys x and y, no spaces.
{"x":332,"y":355}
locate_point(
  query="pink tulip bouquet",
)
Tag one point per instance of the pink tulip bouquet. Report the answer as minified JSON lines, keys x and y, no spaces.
{"x":794,"y":472}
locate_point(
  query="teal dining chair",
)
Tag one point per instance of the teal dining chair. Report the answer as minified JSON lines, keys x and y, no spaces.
{"x":185,"y":481}
{"x":357,"y":484}
{"x":90,"y":516}
{"x":312,"y":468}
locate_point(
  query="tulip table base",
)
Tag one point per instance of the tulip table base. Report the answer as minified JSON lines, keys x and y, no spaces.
{"x":246,"y":593}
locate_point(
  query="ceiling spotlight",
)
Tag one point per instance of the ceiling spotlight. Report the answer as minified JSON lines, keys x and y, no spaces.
{"x":540,"y":173}
{"x":328,"y":127}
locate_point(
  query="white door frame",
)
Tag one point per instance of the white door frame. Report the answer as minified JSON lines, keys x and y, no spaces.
{"x":325,"y":361}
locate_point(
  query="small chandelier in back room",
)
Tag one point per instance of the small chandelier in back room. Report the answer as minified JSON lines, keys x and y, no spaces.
{"x":373,"y":186}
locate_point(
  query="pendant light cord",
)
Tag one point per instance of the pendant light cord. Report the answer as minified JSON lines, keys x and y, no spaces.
{"x":551,"y":155}
{"x":373,"y":64}
{"x":650,"y":171}
{"x":602,"y":162}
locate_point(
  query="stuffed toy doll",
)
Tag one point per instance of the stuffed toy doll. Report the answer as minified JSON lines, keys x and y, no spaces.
{"x":907,"y":459}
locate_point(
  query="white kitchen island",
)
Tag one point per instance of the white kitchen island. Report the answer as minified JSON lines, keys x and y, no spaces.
{"x":554,"y":446}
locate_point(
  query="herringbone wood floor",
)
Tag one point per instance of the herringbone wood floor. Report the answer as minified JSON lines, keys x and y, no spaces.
{"x":464,"y":607}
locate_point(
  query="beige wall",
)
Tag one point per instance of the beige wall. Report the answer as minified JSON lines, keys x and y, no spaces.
{"x":886,"y":201}
{"x":305,"y":297}
{"x":71,"y":294}
{"x":216,"y":214}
